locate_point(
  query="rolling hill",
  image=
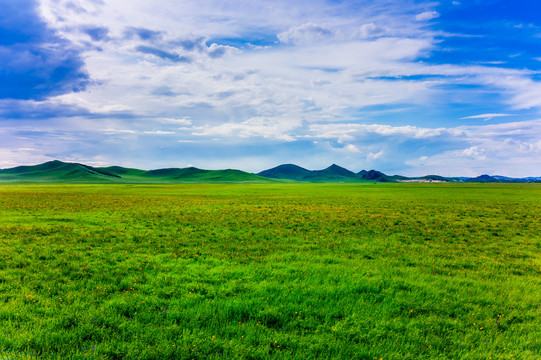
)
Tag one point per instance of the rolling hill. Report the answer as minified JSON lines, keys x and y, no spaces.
{"x":58,"y":171}
{"x":374,"y":175}
{"x":64,"y":172}
{"x":286,"y":171}
{"x":333,"y":173}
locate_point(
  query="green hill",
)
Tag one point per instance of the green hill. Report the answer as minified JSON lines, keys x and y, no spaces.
{"x":333,"y":173}
{"x":122,"y":171}
{"x":58,"y":171}
{"x":484,"y":179}
{"x":53,"y":171}
{"x":193,"y":174}
{"x":374,"y":175}
{"x":286,"y":171}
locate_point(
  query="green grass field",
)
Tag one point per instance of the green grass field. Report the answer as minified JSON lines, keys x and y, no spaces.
{"x":289,"y":271}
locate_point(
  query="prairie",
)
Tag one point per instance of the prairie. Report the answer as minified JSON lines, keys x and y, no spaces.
{"x":257,"y":271}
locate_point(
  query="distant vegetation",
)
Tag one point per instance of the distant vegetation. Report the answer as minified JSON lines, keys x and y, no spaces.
{"x":58,"y":171}
{"x":258,"y":271}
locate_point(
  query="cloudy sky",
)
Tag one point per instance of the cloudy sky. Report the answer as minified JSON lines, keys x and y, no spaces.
{"x":403,"y":86}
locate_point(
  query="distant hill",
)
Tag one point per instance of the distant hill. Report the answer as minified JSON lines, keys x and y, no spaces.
{"x":58,"y":171}
{"x":286,"y":171}
{"x":509,"y":179}
{"x":500,"y":179}
{"x":484,"y":179}
{"x":175,"y":173}
{"x":333,"y":173}
{"x":435,"y":178}
{"x":65,"y":172}
{"x":122,"y":171}
{"x":375,"y":175}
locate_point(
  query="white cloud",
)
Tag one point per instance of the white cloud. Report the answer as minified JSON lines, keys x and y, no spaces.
{"x":502,"y":149}
{"x":119,"y":131}
{"x":158,"y":132}
{"x":112,"y":108}
{"x":276,"y":129}
{"x":338,"y":59}
{"x":427,"y":15}
{"x":348,"y":132}
{"x":305,"y":34}
{"x":375,"y":156}
{"x":136,"y":132}
{"x":524,"y":92}
{"x":267,"y":81}
{"x":14,"y":157}
{"x":352,"y":148}
{"x":509,"y":149}
{"x":371,"y":30}
{"x":181,"y":121}
{"x":474,"y":152}
{"x":485,"y":116}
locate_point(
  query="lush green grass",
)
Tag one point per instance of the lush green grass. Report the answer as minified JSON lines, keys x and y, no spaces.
{"x":311,"y":271}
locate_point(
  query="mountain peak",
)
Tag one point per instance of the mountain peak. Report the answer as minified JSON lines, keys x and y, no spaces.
{"x":335,"y":167}
{"x":285,"y":171}
{"x":338,"y":170}
{"x":373,"y":175}
{"x":484,"y":178}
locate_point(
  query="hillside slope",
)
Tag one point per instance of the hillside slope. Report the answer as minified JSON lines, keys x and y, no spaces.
{"x":333,"y":173}
{"x":58,"y":171}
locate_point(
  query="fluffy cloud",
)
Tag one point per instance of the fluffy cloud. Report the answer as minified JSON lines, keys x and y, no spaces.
{"x":316,"y":81}
{"x":500,"y":149}
{"x":305,"y":34}
{"x":350,"y":132}
{"x":371,"y":30}
{"x":276,"y":129}
{"x":473,"y":152}
{"x":427,"y":15}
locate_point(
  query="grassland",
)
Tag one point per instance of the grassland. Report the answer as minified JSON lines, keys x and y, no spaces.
{"x":311,"y":271}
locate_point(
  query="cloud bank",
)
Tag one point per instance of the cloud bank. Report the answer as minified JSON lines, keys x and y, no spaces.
{"x":384,"y":84}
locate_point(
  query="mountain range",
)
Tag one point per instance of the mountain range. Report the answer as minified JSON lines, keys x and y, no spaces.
{"x":58,"y":171}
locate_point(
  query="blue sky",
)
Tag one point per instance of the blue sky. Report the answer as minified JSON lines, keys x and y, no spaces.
{"x":406,"y":87}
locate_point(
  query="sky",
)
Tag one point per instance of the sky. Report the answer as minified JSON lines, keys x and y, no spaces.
{"x":406,"y":87}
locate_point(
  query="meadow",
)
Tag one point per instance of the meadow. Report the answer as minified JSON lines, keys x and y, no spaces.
{"x":285,"y":271}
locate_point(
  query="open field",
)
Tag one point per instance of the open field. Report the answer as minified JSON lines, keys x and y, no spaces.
{"x":304,"y":271}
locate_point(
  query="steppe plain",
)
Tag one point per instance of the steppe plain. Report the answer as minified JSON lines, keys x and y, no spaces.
{"x":256,"y":271}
